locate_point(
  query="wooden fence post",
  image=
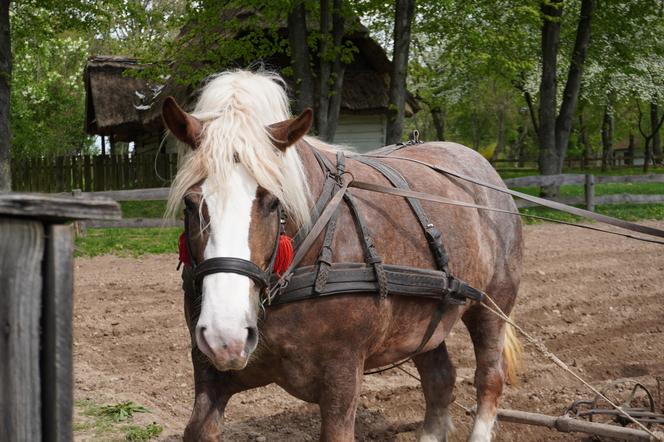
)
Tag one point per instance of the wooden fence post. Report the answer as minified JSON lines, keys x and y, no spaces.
{"x":590,"y":192}
{"x":21,"y":254}
{"x":56,"y":361}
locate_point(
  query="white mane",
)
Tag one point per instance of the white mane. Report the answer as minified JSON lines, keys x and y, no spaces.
{"x":236,"y":107}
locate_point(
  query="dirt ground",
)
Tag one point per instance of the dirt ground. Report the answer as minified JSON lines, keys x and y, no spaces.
{"x":595,"y":300}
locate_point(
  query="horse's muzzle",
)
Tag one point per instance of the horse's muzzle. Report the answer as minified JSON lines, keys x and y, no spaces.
{"x":227,"y":349}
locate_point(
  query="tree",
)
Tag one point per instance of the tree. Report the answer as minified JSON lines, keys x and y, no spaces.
{"x":5,"y":94}
{"x":404,"y":12}
{"x":555,"y":126}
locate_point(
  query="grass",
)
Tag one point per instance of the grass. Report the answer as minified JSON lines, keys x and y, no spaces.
{"x":628,"y":212}
{"x":514,"y":173}
{"x":143,"y":209}
{"x":135,"y":433}
{"x":128,"y":241}
{"x":112,"y":422}
{"x":604,"y":189}
{"x":122,"y":411}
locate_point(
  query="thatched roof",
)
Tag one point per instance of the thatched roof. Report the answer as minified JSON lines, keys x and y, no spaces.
{"x":123,"y":105}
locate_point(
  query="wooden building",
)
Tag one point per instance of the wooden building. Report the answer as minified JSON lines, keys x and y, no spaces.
{"x":127,"y":109}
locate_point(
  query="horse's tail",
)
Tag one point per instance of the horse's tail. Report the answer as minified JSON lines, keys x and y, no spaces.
{"x":512,"y":353}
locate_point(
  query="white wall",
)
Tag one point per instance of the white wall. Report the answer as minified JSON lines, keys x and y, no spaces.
{"x":361,"y":132}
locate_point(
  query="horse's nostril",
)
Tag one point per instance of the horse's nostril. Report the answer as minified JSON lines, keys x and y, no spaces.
{"x":252,"y":339}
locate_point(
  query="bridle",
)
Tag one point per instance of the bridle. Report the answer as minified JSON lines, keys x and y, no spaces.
{"x":226,"y":264}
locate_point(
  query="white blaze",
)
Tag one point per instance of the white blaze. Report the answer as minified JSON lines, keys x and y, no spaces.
{"x":226,"y":306}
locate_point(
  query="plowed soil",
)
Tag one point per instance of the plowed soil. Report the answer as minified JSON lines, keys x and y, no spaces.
{"x":595,"y":300}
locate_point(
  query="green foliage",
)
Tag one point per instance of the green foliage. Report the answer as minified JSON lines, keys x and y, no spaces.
{"x":121,"y":411}
{"x":48,"y":106}
{"x":135,"y":433}
{"x":111,"y":422}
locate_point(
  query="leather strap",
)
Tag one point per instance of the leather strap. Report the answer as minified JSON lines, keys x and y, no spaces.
{"x":433,"y":235}
{"x":227,"y":264}
{"x":325,"y":256}
{"x":325,"y":195}
{"x":311,"y":237}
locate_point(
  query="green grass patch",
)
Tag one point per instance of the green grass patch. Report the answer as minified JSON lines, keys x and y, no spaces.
{"x":603,"y":189}
{"x":122,"y":411}
{"x":135,"y":433}
{"x":628,"y":212}
{"x":113,"y":422}
{"x":128,"y":241}
{"x":143,"y":209}
{"x":514,"y":173}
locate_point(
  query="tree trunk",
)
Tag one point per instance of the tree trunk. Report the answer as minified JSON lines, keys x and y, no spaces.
{"x":631,"y":148}
{"x":338,"y":70}
{"x":322,"y":104}
{"x":439,"y":122}
{"x":297,"y":37}
{"x":655,"y":143}
{"x":500,"y":145}
{"x":5,"y":95}
{"x":585,"y":141}
{"x":520,"y":146}
{"x":404,"y":12}
{"x":476,"y":130}
{"x":607,"y":137}
{"x":548,"y":155}
{"x":555,"y":130}
{"x":573,"y":84}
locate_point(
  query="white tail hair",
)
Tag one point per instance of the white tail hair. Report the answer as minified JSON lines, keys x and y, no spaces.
{"x":236,"y":107}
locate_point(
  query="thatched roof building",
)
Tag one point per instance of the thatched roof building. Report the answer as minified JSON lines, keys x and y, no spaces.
{"x":128,"y":108}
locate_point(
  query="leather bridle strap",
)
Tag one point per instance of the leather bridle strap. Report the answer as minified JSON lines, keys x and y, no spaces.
{"x":311,"y":237}
{"x":544,"y":202}
{"x":226,"y":264}
{"x":440,"y":199}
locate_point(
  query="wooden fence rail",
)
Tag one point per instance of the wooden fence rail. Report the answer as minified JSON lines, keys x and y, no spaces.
{"x":589,"y":198}
{"x":93,"y":173}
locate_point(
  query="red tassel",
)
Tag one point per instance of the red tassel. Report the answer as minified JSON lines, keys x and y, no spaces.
{"x":284,"y":254}
{"x":182,"y":249}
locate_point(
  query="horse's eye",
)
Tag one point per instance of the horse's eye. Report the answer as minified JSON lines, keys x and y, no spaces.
{"x":190,"y":204}
{"x":274,"y":203}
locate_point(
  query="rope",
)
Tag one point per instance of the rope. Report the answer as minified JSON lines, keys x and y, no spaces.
{"x":455,"y":402}
{"x":495,"y":309}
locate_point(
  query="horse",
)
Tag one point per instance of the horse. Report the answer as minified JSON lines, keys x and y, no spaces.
{"x":244,"y":160}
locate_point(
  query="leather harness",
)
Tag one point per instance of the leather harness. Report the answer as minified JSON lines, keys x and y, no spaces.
{"x":326,"y":278}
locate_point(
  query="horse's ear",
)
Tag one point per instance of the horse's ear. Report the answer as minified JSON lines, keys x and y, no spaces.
{"x":185,"y":127}
{"x":288,"y":132}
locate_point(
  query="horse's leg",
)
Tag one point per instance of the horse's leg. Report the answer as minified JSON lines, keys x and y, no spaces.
{"x":486,"y":332}
{"x":438,"y":375}
{"x":211,"y":394}
{"x":339,"y":393}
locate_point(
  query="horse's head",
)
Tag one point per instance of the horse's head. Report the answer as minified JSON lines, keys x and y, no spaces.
{"x":242,"y":221}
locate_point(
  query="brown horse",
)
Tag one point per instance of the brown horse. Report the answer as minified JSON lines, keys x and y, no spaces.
{"x":238,"y":167}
